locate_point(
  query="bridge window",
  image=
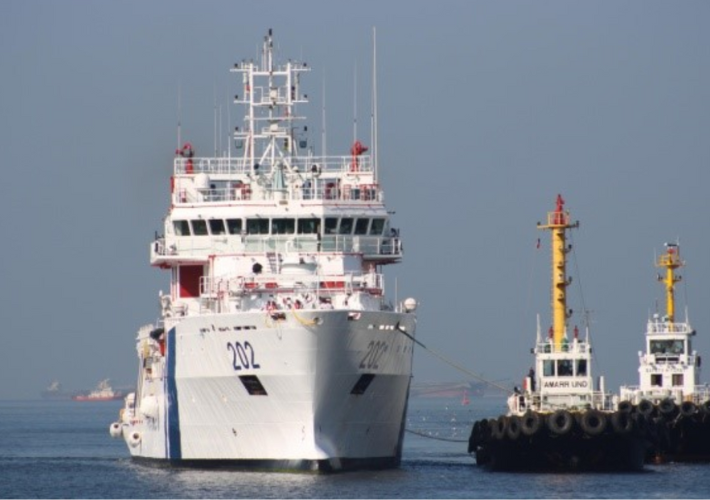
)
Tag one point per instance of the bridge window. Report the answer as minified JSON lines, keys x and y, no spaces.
{"x":667,"y":347}
{"x":199,"y":227}
{"x":564,"y":367}
{"x":308,"y":226}
{"x":657,"y":380}
{"x":234,"y":226}
{"x":377,"y":227}
{"x":283,"y":226}
{"x":257,"y":226}
{"x":677,"y":379}
{"x":216,"y":226}
{"x":548,"y":368}
{"x":581,"y":367}
{"x":181,"y":227}
{"x":361,"y":226}
{"x":346,"y":225}
{"x":331,"y":225}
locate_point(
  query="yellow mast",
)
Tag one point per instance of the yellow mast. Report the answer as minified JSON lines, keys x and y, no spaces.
{"x":558,"y":222}
{"x":670,"y":261}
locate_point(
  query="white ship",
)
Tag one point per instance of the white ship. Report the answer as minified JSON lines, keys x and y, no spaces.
{"x":276,"y":346}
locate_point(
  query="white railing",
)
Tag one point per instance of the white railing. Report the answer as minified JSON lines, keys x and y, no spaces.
{"x":241,"y":166}
{"x":288,"y":283}
{"x":164,"y":249}
{"x":318,"y":190}
{"x":635,"y":394}
{"x":520,"y":403}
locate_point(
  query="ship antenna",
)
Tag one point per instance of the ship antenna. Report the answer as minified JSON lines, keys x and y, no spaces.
{"x":229,"y":128}
{"x":179,"y":114}
{"x":214,"y":99}
{"x":374,"y":104}
{"x":539,"y":331}
{"x":323,"y":148}
{"x":355,"y":103}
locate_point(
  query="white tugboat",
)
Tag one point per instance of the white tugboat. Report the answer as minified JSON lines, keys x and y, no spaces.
{"x":276,"y":346}
{"x":560,"y":421}
{"x":103,"y":392}
{"x":669,"y":387}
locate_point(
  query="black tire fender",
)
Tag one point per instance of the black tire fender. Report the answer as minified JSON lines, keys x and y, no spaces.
{"x":688,"y":408}
{"x":646,"y":408}
{"x":626,"y":406}
{"x":513,"y":430}
{"x":560,"y":422}
{"x":622,"y":422}
{"x":530,"y":423}
{"x":593,"y":422}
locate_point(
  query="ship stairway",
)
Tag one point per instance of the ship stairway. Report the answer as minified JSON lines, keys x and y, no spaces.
{"x":273,"y":262}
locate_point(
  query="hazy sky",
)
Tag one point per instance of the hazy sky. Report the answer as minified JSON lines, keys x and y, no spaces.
{"x":487,"y":110}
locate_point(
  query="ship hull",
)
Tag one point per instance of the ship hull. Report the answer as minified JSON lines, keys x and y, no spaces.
{"x":682,"y":437}
{"x":317,"y":390}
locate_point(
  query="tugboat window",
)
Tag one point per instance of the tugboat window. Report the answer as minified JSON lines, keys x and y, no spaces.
{"x":581,"y":367}
{"x":564,"y":368}
{"x":657,"y":379}
{"x":199,"y":227}
{"x":548,"y":368}
{"x":677,"y":379}
{"x":666,"y":347}
{"x":181,"y":227}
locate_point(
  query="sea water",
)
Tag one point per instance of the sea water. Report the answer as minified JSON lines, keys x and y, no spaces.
{"x":62,"y":449}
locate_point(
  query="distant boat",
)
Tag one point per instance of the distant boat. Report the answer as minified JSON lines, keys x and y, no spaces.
{"x":464,"y":400}
{"x":103,"y":392}
{"x":55,"y":391}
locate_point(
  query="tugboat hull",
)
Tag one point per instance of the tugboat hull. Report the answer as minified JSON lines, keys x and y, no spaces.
{"x":545,"y":443}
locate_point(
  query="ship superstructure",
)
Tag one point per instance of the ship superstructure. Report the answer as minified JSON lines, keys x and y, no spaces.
{"x":276,"y":345}
{"x":560,"y":421}
{"x":669,"y":388}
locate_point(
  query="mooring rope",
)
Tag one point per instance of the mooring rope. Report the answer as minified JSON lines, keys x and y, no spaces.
{"x":453,"y":364}
{"x":451,"y":440}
